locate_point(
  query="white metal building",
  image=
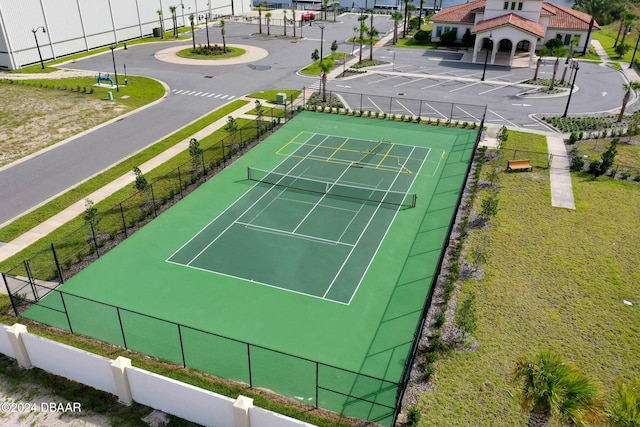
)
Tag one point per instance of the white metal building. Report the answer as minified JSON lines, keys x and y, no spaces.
{"x":64,"y":27}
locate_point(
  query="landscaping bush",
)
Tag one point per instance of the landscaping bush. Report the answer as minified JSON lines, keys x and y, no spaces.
{"x":422,"y":36}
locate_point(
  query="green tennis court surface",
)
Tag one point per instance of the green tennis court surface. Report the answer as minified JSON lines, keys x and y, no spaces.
{"x":301,"y":268}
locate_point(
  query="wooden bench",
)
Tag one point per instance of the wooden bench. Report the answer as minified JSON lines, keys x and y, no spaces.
{"x":514,"y":165}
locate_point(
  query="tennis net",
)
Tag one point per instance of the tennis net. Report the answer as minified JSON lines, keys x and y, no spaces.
{"x":395,"y":198}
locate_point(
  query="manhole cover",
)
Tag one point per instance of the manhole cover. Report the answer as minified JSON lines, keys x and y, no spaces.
{"x":208,"y":77}
{"x":400,"y":93}
{"x":259,"y":67}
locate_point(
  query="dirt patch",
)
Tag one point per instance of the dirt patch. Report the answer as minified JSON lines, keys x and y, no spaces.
{"x":33,"y":118}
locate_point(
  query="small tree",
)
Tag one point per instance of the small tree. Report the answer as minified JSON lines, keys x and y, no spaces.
{"x":628,"y":88}
{"x":554,"y":47}
{"x":224,"y":33}
{"x":325,"y":67}
{"x":466,"y":318}
{"x":478,"y":256}
{"x":489,"y":206}
{"x":396,"y":17}
{"x":622,"y":49}
{"x":159,"y":12}
{"x":267,"y":17}
{"x":362,"y":28}
{"x":91,"y":216}
{"x":284,"y":21}
{"x":503,"y":135}
{"x":141,"y":183}
{"x":196,"y":154}
{"x":315,"y":55}
{"x":372,"y":33}
{"x":609,"y":156}
{"x":259,"y":6}
{"x":192,"y":18}
{"x":231,"y":127}
{"x":334,"y":46}
{"x":468,"y":39}
{"x":259,"y":113}
{"x":174,"y":19}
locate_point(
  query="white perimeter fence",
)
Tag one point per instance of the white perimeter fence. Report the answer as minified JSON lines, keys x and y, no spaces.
{"x":133,"y":384}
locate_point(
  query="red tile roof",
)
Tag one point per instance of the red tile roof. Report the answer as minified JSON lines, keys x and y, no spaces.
{"x":560,"y":17}
{"x":460,"y":13}
{"x":512,"y":20}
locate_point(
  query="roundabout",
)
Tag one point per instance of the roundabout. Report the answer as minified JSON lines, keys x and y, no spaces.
{"x":252,"y":54}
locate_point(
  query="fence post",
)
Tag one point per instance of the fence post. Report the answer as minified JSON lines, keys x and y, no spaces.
{"x":249,"y":364}
{"x":119,"y":371}
{"x":451,"y":115}
{"x":124,"y":221}
{"x":180,"y":182}
{"x":55,"y":259}
{"x":360,"y":109}
{"x":420,"y":109}
{"x":66,"y":313}
{"x":19,"y":350}
{"x":317,"y":383}
{"x":184,"y":362}
{"x":204,"y":170}
{"x":30,"y":278}
{"x":95,"y":242}
{"x":124,"y":339}
{"x":390,"y":104}
{"x":304,"y":98}
{"x":153,"y":201}
{"x":6,"y":285}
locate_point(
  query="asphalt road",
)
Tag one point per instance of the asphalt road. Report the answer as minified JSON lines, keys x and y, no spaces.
{"x":196,"y":90}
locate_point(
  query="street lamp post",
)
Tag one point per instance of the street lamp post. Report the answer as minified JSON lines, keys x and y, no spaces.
{"x":576,"y":67}
{"x":206,"y":24}
{"x":486,"y":58}
{"x":115,"y":71}
{"x":34,"y":31}
{"x":321,"y":39}
{"x":634,"y":52}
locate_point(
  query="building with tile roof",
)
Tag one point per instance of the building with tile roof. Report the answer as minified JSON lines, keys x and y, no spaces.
{"x":512,"y":28}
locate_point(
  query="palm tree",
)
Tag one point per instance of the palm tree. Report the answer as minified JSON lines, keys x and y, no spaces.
{"x":260,"y":18}
{"x":628,"y":88}
{"x":284,"y":21}
{"x":159,"y":12}
{"x":371,"y":33}
{"x":362,"y":28}
{"x":420,"y":15}
{"x":192,"y":18}
{"x":267,"y":17}
{"x":325,"y":67}
{"x":598,"y":9}
{"x":224,"y":33}
{"x":293,"y":18}
{"x":406,"y":18}
{"x":550,"y":387}
{"x":325,"y":4}
{"x":396,"y":17}
{"x":629,"y":20}
{"x":625,"y":411}
{"x":335,"y":6}
{"x":174,"y":19}
{"x":538,"y":62}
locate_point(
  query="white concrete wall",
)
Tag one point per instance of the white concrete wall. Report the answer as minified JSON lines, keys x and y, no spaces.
{"x":78,"y":25}
{"x":69,"y":362}
{"x":119,"y":377}
{"x":186,"y":401}
{"x":265,"y":418}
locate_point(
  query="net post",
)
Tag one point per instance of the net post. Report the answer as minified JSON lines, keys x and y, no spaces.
{"x":184,"y":362}
{"x":414,"y":199}
{"x":248,"y":173}
{"x":249,"y":364}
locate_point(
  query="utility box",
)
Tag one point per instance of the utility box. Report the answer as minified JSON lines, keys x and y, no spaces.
{"x":281,"y":98}
{"x":157,"y":32}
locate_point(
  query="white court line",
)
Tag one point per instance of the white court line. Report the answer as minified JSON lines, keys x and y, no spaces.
{"x":230,"y":206}
{"x":409,"y":111}
{"x":246,"y":210}
{"x":410,"y":81}
{"x":313,"y":203}
{"x":293,"y":234}
{"x":502,"y":118}
{"x":351,"y":222}
{"x":348,"y":168}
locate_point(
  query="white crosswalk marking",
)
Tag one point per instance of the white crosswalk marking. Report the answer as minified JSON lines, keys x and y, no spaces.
{"x":213,"y":95}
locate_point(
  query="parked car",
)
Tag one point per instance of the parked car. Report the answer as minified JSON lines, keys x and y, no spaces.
{"x":308,"y":16}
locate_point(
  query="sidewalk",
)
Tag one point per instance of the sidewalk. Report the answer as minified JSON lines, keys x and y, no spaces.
{"x":10,"y":248}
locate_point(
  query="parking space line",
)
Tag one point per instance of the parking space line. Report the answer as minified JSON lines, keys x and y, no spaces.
{"x":502,"y":87}
{"x":210,"y":95}
{"x":381,"y":80}
{"x":428,"y":105}
{"x":410,"y":81}
{"x":465,"y":86}
{"x":409,"y":111}
{"x":374,"y":104}
{"x":468,"y":113}
{"x":437,"y":84}
{"x":503,"y":118}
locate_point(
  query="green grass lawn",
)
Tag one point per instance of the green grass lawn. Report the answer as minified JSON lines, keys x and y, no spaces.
{"x":271,"y":95}
{"x":555,"y":278}
{"x":232,"y":52}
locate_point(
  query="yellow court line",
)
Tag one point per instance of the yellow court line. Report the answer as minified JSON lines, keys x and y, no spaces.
{"x":337,"y":149}
{"x":385,"y":156}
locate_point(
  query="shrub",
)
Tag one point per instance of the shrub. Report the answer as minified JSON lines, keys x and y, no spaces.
{"x":414,"y":415}
{"x":573,"y":138}
{"x":577,"y":164}
{"x":422,"y":36}
{"x":449,"y":38}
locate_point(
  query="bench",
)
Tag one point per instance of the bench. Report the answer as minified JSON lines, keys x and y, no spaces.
{"x":514,"y":165}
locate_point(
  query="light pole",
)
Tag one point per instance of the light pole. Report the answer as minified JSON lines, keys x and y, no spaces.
{"x":115,"y":71}
{"x":634,"y":52}
{"x":34,"y":31}
{"x":486,"y":58}
{"x":206,"y":24}
{"x":321,"y":39}
{"x":576,"y":67}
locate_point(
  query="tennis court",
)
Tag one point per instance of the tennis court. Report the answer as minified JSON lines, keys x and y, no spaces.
{"x":301,"y":268}
{"x":326,"y":208}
